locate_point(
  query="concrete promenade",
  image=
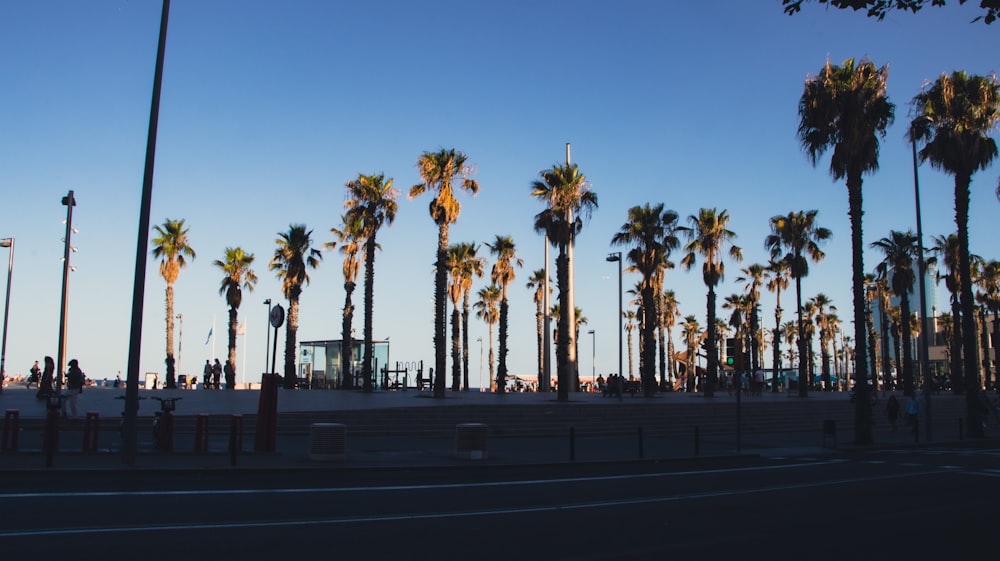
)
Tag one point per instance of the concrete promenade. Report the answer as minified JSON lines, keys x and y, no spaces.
{"x":771,"y":425}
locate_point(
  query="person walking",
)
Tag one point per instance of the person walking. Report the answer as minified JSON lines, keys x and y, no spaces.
{"x":45,"y":384}
{"x":74,"y":387}
{"x":216,"y":373}
{"x":207,"y":375}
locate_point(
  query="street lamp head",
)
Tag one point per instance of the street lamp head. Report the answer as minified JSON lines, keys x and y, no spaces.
{"x":591,"y":332}
{"x":268,"y":301}
{"x":612,"y":257}
{"x":6,"y":242}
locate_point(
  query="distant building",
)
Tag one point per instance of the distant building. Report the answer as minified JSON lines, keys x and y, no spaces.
{"x":320,"y":365}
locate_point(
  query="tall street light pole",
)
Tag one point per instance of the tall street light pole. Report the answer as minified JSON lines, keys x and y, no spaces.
{"x":612,"y":257}
{"x":593,"y":358}
{"x":8,"y":243}
{"x":69,"y":202}
{"x":268,"y":345}
{"x":480,"y":339}
{"x":921,"y":267}
{"x":130,"y":433}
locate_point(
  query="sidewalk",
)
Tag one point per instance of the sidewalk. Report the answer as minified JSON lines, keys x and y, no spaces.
{"x":408,"y":451}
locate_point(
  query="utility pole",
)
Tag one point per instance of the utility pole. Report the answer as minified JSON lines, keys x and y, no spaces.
{"x":69,"y":202}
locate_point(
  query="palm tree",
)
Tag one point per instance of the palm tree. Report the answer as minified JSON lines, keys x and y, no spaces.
{"x":946,"y":249}
{"x":900,"y":251}
{"x":777,"y":281}
{"x":797,"y":236}
{"x":463,"y":265}
{"x":808,"y":331}
{"x":502,"y":275}
{"x":990,"y":282}
{"x":754,"y":275}
{"x":238,"y":275}
{"x":293,"y":256}
{"x":790,"y":332}
{"x":472,"y":266}
{"x":669,"y":312}
{"x":349,"y":237}
{"x":650,"y":232}
{"x":846,"y":108}
{"x":693,"y":336}
{"x":372,"y":200}
{"x":537,"y":283}
{"x":487,"y":310}
{"x":708,"y":236}
{"x":171,"y":246}
{"x":954,"y":117}
{"x":456,"y":255}
{"x":567,"y":197}
{"x":439,"y":172}
{"x":824,"y":306}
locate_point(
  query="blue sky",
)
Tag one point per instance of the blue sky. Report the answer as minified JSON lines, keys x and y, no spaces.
{"x":268,"y":108}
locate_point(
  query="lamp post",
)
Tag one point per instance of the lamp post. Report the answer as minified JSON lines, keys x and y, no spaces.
{"x":612,"y":257}
{"x":593,"y":358}
{"x":921,"y":266}
{"x":8,"y":243}
{"x":69,"y":202}
{"x":268,"y":345}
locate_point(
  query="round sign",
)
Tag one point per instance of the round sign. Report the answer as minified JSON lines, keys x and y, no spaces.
{"x":277,"y":316}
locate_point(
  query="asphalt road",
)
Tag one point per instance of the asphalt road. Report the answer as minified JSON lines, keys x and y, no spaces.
{"x":923,"y":503}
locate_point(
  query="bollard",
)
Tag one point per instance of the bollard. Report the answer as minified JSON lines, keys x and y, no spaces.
{"x":90,"y":428}
{"x":641,"y":451}
{"x":471,"y":441}
{"x":697,"y":443}
{"x":572,"y":444}
{"x":201,"y":433}
{"x":235,"y":437}
{"x":11,"y":428}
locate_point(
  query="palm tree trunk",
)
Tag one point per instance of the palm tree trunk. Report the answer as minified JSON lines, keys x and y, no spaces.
{"x":291,"y":329}
{"x":630,"y":360}
{"x":540,"y":327}
{"x":346,"y":339}
{"x":776,"y":355}
{"x":970,"y":353}
{"x":440,"y":310}
{"x":171,"y":380}
{"x":661,"y":348}
{"x":456,"y":349}
{"x":502,"y":368}
{"x":571,"y":358}
{"x":492,"y":359}
{"x":713,"y":354}
{"x":369,"y":357}
{"x":957,"y":379}
{"x":863,"y":407}
{"x":904,"y":307}
{"x":996,"y":348}
{"x":465,"y":340}
{"x":825,"y":364}
{"x":648,"y":374}
{"x":803,"y":352}
{"x":870,"y":324}
{"x":984,"y":345}
{"x":562,"y":344}
{"x":671,"y":370}
{"x":886,"y":364}
{"x":233,"y":326}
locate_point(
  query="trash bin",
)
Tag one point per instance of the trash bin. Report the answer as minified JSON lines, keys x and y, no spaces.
{"x":328,"y":441}
{"x":470,"y":441}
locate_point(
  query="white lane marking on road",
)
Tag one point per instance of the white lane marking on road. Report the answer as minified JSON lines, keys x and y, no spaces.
{"x":444,"y":515}
{"x":515,"y":483}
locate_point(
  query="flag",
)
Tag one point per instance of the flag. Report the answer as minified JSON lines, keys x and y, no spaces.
{"x":242,"y":329}
{"x":209,"y":338}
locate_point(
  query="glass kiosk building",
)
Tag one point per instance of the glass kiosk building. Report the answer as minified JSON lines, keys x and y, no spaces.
{"x":319,"y":364}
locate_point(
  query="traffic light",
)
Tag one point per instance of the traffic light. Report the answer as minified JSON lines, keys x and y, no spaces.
{"x":730,"y":361}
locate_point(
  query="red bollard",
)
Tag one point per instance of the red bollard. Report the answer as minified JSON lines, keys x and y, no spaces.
{"x":90,"y":426}
{"x":11,"y":428}
{"x":267,"y":414}
{"x":201,"y":433}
